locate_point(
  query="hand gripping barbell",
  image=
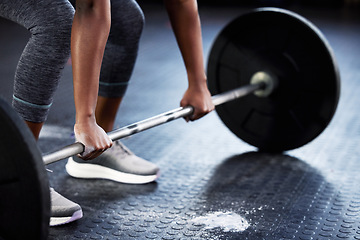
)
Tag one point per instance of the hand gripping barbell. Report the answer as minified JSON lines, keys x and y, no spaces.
{"x":276,"y":54}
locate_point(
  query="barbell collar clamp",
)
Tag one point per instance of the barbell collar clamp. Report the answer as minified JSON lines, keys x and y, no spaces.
{"x":269,"y":81}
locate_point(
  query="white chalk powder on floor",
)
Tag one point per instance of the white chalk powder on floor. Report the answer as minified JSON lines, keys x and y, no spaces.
{"x":227,"y":221}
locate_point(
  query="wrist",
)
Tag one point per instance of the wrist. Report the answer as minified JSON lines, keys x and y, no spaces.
{"x":197,"y":80}
{"x":85,"y":119}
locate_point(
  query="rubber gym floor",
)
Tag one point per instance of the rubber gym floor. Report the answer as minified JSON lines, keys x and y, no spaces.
{"x":212,"y":184}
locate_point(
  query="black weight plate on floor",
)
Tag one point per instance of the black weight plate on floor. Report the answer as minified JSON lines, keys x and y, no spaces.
{"x":24,"y":186}
{"x":290,"y":47}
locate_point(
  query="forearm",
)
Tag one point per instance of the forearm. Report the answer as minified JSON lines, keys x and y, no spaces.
{"x":186,"y":25}
{"x":90,"y":31}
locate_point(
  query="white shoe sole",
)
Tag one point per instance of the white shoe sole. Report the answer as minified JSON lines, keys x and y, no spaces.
{"x":55,"y":221}
{"x":84,"y":170}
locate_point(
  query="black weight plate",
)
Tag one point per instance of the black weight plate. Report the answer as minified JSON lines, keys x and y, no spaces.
{"x":24,"y":186}
{"x":290,"y":47}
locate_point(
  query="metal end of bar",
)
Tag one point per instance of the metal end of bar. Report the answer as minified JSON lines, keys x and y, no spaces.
{"x":269,"y":83}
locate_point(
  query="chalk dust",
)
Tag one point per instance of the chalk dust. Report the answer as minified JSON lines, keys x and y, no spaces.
{"x":227,"y":221}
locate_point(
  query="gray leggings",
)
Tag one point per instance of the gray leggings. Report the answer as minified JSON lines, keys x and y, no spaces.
{"x":48,"y":49}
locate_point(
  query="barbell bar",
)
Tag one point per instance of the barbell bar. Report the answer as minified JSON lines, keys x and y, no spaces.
{"x":181,"y":112}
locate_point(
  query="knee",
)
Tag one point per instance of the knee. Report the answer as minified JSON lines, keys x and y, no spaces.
{"x":137,"y":21}
{"x":127,"y":22}
{"x":53,"y":28}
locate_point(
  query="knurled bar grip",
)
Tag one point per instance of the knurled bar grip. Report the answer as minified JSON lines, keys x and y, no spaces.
{"x":140,"y":126}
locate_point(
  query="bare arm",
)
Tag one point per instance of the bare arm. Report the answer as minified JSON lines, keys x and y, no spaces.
{"x":90,"y":30}
{"x":186,"y":25}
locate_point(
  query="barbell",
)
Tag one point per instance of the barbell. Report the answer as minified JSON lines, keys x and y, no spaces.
{"x":289,"y":90}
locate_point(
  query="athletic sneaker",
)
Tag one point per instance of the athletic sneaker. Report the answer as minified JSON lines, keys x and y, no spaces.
{"x":63,"y":210}
{"x":117,"y":163}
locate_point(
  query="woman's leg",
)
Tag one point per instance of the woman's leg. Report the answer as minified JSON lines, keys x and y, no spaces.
{"x":38,"y":71}
{"x":106,"y":110}
{"x":35,"y":128}
{"x":121,"y":50}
